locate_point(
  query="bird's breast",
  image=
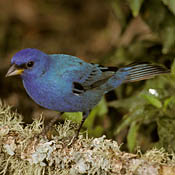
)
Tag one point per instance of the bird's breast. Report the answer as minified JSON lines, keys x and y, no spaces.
{"x":58,"y":96}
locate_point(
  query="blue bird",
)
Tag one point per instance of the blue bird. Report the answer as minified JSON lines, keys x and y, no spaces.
{"x":65,"y":83}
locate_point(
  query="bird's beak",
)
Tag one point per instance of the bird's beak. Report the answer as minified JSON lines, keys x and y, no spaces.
{"x":14,"y":70}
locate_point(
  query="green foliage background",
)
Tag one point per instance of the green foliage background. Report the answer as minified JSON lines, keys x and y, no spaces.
{"x":109,"y":32}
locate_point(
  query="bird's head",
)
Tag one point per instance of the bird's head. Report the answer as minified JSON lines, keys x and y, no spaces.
{"x":28,"y":63}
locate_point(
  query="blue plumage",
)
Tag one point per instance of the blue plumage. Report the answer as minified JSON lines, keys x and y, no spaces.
{"x":67,"y":84}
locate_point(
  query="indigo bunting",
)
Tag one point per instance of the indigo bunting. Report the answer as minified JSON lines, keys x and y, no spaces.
{"x":66,"y":83}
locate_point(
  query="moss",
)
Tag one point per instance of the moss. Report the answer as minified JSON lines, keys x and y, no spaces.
{"x":24,"y":151}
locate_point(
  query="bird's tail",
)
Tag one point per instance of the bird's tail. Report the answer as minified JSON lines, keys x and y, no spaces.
{"x":143,"y":71}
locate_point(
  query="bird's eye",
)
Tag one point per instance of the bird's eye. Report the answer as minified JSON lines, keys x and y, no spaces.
{"x":30,"y":64}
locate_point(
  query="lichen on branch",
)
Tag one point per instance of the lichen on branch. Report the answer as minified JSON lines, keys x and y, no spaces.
{"x":24,"y":151}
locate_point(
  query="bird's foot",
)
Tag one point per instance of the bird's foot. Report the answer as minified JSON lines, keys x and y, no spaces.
{"x":46,"y":129}
{"x":46,"y":132}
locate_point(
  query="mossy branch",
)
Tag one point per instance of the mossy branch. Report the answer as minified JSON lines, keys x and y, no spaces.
{"x":22,"y":152}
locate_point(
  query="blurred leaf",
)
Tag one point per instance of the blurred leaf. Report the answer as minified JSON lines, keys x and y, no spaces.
{"x":170,"y":4}
{"x":99,"y":111}
{"x":128,"y":103}
{"x":162,"y":23}
{"x":74,"y":116}
{"x":135,"y":6}
{"x":132,"y":136}
{"x":168,"y":36}
{"x":173,"y":68}
{"x":153,"y":100}
{"x":116,"y":6}
{"x":135,"y":115}
{"x":102,"y":108}
{"x":154,"y":20}
{"x":97,"y":132}
{"x":169,"y":101}
{"x":166,"y":133}
{"x":89,"y":122}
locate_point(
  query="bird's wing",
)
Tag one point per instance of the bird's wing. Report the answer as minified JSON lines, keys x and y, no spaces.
{"x":98,"y":76}
{"x":94,"y":78}
{"x":84,"y":76}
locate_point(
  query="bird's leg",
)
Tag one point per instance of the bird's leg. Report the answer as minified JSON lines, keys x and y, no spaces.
{"x":85,"y":115}
{"x":51,"y":123}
